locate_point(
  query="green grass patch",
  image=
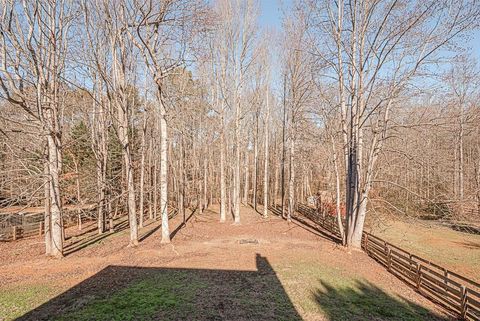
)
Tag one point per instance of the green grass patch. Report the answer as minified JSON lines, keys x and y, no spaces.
{"x":334,"y":294}
{"x":147,"y":299}
{"x":291,"y":291}
{"x":14,"y":302}
{"x":454,"y":250}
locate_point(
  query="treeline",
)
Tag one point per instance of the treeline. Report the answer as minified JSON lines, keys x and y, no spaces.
{"x":148,"y":107}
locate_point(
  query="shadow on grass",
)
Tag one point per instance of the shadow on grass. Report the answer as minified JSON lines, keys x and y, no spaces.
{"x":365,"y":301}
{"x":141,"y":293}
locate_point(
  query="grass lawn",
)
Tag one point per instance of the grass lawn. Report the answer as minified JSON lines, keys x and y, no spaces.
{"x":336,"y":295}
{"x":16,"y":301}
{"x":457,"y":251}
{"x":292,"y":291}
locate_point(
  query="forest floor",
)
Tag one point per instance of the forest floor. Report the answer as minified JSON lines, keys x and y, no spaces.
{"x":262,"y":269}
{"x":454,"y":250}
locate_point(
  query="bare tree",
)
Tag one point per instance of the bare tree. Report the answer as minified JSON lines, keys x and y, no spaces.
{"x":298,"y":90}
{"x":378,"y":50}
{"x":33,"y":48}
{"x":162,"y":32}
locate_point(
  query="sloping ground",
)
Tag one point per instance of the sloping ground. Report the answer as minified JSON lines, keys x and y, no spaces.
{"x":259,"y":270}
{"x":454,"y":250}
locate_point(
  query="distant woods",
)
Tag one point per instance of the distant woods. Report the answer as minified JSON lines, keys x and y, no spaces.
{"x":145,"y":108}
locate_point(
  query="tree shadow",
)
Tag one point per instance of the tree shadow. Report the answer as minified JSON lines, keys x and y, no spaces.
{"x":307,"y":225}
{"x":256,"y":210}
{"x":143,"y":293}
{"x":365,"y":301}
{"x":315,"y":229}
{"x":87,"y":228}
{"x":472,"y":245}
{"x":92,"y":238}
{"x":181,"y":225}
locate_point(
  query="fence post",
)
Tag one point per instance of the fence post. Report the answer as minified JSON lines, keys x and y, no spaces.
{"x":15,"y":233}
{"x":366,"y":243}
{"x":40,"y":229}
{"x":445,"y":273}
{"x":463,"y":310}
{"x":389,"y":258}
{"x":419,"y":275}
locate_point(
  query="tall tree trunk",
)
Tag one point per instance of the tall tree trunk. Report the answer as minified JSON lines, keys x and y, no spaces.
{"x":275,"y":185}
{"x":205,"y":182}
{"x":236,"y":169}
{"x":131,"y":198}
{"x":222,"y":175}
{"x":79,"y":201}
{"x":265,"y":165}
{"x":155,"y":188}
{"x":246,"y":185}
{"x":151,"y":188}
{"x":55,"y":198}
{"x":337,"y":193}
{"x":142,"y":171}
{"x":461,"y":155}
{"x":128,"y":166}
{"x":291,"y":181}
{"x":164,"y":176}
{"x":99,"y":129}
{"x":255,"y":166}
{"x":284,"y":147}
{"x":181,"y":199}
{"x":47,"y":206}
{"x":101,"y":185}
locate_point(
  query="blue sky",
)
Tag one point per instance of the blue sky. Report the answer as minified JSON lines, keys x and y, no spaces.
{"x":271,"y":17}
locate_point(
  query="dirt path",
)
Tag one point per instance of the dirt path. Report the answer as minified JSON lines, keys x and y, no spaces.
{"x":315,"y":274}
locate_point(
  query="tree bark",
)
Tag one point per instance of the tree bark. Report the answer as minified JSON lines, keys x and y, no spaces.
{"x":255,"y":164}
{"x":265,"y":165}
{"x":236,"y":170}
{"x":291,"y":181}
{"x":222,"y":175}
{"x":164,"y":176}
{"x":246,"y":183}
{"x":127,"y":159}
{"x":47,"y":206}
{"x":181,"y":200}
{"x":55,"y":199}
{"x":142,"y":171}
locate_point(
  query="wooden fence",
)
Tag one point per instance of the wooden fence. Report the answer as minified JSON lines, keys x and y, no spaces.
{"x":22,"y":225}
{"x":28,"y":222}
{"x":442,"y":286}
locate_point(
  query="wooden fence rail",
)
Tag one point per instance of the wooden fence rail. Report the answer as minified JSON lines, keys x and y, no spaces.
{"x":19,"y":222}
{"x":442,"y":286}
{"x":34,"y":225}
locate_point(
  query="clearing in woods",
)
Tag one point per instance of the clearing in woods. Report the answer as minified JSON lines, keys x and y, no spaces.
{"x":258,"y":270}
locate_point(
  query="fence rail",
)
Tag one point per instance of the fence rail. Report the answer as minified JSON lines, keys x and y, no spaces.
{"x":442,"y":286}
{"x":29,"y":222}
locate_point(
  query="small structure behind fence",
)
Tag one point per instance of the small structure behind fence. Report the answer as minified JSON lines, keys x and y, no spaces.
{"x":447,"y":288}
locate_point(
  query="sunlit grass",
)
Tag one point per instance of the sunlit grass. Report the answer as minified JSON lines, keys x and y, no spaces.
{"x":454,"y":250}
{"x":333,"y":294}
{"x":14,"y":302}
